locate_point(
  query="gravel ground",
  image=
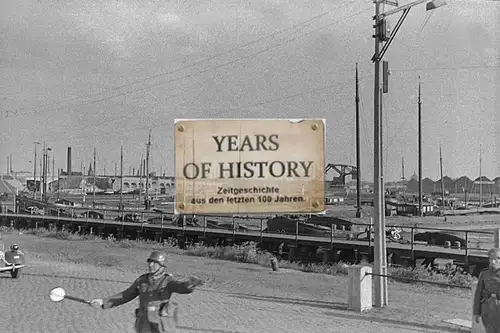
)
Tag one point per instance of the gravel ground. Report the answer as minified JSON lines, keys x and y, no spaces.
{"x":236,"y":298}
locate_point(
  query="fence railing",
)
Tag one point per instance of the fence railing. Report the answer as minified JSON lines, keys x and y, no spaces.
{"x":406,"y":279}
{"x":416,"y":237}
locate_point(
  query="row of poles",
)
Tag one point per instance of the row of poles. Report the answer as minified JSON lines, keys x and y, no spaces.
{"x":382,"y":42}
{"x":146,"y":195}
{"x":44,"y":166}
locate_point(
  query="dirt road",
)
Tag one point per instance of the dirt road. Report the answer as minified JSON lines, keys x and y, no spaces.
{"x":25,"y":307}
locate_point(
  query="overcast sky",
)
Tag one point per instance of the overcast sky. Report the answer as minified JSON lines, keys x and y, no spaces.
{"x":101,"y":73}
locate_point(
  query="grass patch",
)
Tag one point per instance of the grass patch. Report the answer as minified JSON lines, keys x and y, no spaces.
{"x":247,"y":253}
{"x":406,"y":274}
{"x":244,"y":253}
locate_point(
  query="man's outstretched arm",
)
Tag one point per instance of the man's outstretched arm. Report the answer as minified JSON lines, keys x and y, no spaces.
{"x":184,"y":287}
{"x":118,"y":299}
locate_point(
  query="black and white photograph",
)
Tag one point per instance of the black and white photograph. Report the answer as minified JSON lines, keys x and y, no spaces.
{"x":273,"y":166}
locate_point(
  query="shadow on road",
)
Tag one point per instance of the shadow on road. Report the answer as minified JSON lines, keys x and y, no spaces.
{"x":75,"y":277}
{"x":371,"y":317}
{"x":296,"y":301}
{"x":208,"y":330}
{"x":437,"y":328}
{"x":367,"y":316}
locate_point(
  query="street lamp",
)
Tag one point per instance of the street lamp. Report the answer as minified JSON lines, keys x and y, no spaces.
{"x":383,"y":40}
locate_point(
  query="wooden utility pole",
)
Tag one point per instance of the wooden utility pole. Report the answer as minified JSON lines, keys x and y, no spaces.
{"x":53,"y":171}
{"x":42,"y":176}
{"x":93,"y":187}
{"x":403,"y":177}
{"x":82,"y":171}
{"x":45,"y":167}
{"x":442,"y":178}
{"x":46,"y":173}
{"x":480,"y":176}
{"x":121,"y":180}
{"x":141,"y":173}
{"x":121,"y":184}
{"x":58,"y":182}
{"x":420,"y":208}
{"x":358,"y":151}
{"x":147,"y":172}
{"x":34,"y":171}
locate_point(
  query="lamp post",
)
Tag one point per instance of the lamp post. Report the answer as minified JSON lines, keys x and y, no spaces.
{"x":382,"y":42}
{"x":45,"y":158}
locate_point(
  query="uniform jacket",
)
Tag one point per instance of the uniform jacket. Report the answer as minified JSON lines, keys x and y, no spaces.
{"x":488,"y":284}
{"x":154,"y":296}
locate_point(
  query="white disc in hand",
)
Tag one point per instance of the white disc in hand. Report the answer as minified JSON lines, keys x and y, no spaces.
{"x":57,"y":294}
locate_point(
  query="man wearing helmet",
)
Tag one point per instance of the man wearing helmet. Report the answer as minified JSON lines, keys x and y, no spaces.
{"x":156,"y":314}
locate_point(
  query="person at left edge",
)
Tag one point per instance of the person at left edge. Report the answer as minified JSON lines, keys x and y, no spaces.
{"x":156,"y":314}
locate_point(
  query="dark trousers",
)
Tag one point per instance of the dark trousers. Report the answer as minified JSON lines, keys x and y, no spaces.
{"x":167,"y":324}
{"x":490,"y":315}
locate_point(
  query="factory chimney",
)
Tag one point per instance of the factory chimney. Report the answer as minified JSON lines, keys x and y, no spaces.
{"x":68,"y":168}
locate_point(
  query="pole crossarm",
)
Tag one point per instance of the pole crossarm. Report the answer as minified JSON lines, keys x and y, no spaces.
{"x":393,"y":34}
{"x":399,"y":9}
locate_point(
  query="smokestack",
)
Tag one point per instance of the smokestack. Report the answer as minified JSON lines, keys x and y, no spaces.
{"x":11,"y":164}
{"x":68,"y":167}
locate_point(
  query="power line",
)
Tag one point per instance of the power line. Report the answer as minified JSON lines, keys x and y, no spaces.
{"x":105,"y":121}
{"x":261,"y":103}
{"x":300,"y":24}
{"x":289,"y":97}
{"x":210,"y":68}
{"x":269,"y":101}
{"x":136,"y":128}
{"x":199,"y":86}
{"x":445,"y":68}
